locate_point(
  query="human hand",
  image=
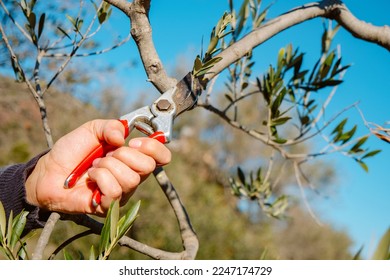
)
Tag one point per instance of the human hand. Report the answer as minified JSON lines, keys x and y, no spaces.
{"x":117,"y":175}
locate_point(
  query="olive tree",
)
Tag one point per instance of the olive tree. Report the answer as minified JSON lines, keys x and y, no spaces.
{"x":285,"y":96}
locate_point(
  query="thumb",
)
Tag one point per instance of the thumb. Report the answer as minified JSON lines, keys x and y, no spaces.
{"x":110,"y":131}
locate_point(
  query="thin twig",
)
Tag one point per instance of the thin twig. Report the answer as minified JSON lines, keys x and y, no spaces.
{"x":300,"y":184}
{"x":210,"y":88}
{"x":270,"y":166}
{"x":60,"y":55}
{"x":38,"y":98}
{"x":69,"y":241}
{"x":25,"y":34}
{"x":72,"y":53}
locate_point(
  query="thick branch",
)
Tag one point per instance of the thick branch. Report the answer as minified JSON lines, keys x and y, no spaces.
{"x":141,"y":30}
{"x":360,"y":29}
{"x":332,"y":9}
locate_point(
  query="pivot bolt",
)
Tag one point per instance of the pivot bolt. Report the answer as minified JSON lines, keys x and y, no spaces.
{"x":163,"y":105}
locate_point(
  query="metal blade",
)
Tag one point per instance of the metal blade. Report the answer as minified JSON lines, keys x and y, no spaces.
{"x":187,"y":93}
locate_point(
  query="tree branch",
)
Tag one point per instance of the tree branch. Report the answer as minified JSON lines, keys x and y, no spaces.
{"x":45,"y":236}
{"x":35,"y":92}
{"x":188,"y":235}
{"x":69,"y":241}
{"x":258,"y":36}
{"x":138,"y":12}
{"x":333,"y":9}
{"x":360,"y":29}
{"x":25,"y":34}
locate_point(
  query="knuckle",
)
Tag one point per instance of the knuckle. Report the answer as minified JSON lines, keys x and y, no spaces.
{"x":104,"y":162}
{"x":150,"y":165}
{"x":116,"y":193}
{"x":121,"y":152}
{"x":133,"y":180}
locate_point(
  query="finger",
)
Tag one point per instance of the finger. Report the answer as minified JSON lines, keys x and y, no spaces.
{"x":124,"y":173}
{"x":111,"y":131}
{"x":108,"y":185}
{"x":134,"y":159}
{"x":153,"y":148}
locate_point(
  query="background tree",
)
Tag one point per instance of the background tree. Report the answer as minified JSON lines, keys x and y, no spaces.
{"x":288,"y":115}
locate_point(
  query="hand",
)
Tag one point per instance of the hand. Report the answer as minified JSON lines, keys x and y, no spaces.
{"x":117,"y":175}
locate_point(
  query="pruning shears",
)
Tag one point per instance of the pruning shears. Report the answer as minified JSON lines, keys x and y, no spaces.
{"x":155,"y":121}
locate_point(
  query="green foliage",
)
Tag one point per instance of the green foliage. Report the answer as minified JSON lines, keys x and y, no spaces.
{"x":12,"y":247}
{"x":203,"y":63}
{"x":104,"y":12}
{"x":249,"y":12}
{"x":276,"y":87}
{"x":290,"y":96}
{"x":114,"y":229}
{"x":34,"y":30}
{"x":358,"y":153}
{"x":382,"y":251}
{"x":256,"y":187}
{"x":239,"y":73}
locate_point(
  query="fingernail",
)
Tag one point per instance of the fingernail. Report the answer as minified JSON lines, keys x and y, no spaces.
{"x":135,"y":143}
{"x":117,"y":134}
{"x":96,"y":162}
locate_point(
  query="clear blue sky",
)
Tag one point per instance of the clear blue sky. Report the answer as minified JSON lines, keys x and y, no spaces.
{"x":361,"y":202}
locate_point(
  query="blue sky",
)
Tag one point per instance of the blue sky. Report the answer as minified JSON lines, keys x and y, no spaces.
{"x":360,"y":204}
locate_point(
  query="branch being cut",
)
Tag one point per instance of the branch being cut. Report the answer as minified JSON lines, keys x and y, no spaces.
{"x":138,"y":12}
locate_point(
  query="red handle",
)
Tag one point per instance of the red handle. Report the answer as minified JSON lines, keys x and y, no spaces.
{"x":97,"y":195}
{"x":100,"y":151}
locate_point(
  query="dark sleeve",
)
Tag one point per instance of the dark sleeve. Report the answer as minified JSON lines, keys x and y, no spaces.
{"x":13,"y":193}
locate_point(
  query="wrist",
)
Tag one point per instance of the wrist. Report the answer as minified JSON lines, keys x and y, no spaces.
{"x":32,"y":183}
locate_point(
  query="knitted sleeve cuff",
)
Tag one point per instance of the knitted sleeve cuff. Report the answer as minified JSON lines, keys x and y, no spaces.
{"x":13,"y":193}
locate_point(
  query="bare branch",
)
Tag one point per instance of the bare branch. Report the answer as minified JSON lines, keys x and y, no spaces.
{"x":45,"y":236}
{"x":147,"y":250}
{"x":69,"y":241}
{"x":37,"y":96}
{"x":138,"y":12}
{"x":57,"y":55}
{"x":300,"y":184}
{"x":251,"y":132}
{"x":122,"y":5}
{"x":73,"y":52}
{"x":189,"y":238}
{"x":360,"y":29}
